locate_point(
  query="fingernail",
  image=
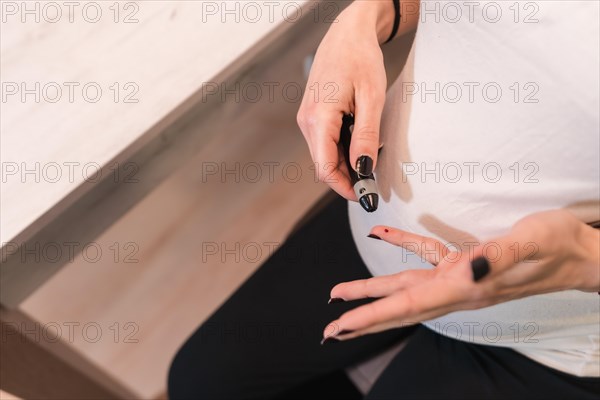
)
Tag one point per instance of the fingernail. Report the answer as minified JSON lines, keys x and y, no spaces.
{"x":369,"y":202}
{"x":480,"y":267}
{"x":345,"y":332}
{"x":364,"y":165}
{"x":373,"y":236}
{"x":329,"y":339}
{"x":335,"y":300}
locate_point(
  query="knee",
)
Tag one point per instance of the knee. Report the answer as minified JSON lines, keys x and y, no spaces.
{"x":198,"y":372}
{"x":189,"y":377}
{"x":179,"y":381}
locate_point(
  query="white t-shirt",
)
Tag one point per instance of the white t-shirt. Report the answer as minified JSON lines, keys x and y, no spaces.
{"x":495,"y":116}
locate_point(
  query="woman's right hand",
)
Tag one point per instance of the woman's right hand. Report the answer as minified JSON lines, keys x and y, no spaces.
{"x":347,"y":76}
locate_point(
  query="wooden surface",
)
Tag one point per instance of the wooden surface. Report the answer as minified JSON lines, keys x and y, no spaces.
{"x":168,"y":54}
{"x":32,"y":370}
{"x":160,"y":136}
{"x":84,"y":212}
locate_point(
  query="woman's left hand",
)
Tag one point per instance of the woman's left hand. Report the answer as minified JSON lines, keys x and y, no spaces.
{"x":545,"y":252}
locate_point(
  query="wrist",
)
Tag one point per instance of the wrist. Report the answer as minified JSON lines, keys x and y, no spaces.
{"x":589,"y":239}
{"x":377,"y":15}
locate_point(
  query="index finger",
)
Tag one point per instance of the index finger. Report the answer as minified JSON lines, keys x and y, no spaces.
{"x":330,"y":162}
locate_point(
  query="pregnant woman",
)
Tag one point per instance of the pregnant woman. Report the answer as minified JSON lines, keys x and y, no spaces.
{"x":481,"y":266}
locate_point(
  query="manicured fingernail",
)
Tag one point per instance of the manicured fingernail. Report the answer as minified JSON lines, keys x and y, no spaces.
{"x":329,"y":339}
{"x":335,"y":300}
{"x":480,"y":267}
{"x":364,"y":165}
{"x":345,"y":332}
{"x":370,"y":235}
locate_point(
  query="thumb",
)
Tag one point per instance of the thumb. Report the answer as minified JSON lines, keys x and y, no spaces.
{"x":365,"y":135}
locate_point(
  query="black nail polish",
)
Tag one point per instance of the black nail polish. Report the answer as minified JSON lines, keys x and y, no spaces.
{"x":480,"y":267}
{"x":364,"y":165}
{"x":345,"y":332}
{"x":329,"y":339}
{"x":335,"y":300}
{"x":370,"y":235}
{"x":369,"y":201}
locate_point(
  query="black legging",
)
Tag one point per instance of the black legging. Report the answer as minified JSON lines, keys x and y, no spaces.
{"x":264,"y":341}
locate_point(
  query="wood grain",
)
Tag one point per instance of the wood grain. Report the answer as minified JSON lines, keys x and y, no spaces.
{"x":92,"y":206}
{"x":168,"y":55}
{"x":32,"y":369}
